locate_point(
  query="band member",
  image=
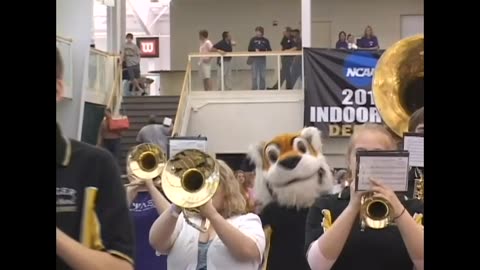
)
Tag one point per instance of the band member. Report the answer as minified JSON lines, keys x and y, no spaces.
{"x":415,"y":125}
{"x":93,"y":226}
{"x":234,"y":240}
{"x":416,"y":122}
{"x":146,"y":204}
{"x":291,"y":172}
{"x":333,"y":236}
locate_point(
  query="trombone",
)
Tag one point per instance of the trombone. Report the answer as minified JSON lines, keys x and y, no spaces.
{"x":189,"y":180}
{"x":145,"y":162}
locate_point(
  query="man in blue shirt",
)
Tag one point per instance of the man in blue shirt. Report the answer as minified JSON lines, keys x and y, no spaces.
{"x":259,"y":63}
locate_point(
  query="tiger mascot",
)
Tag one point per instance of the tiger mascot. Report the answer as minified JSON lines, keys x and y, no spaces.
{"x":291,"y":172}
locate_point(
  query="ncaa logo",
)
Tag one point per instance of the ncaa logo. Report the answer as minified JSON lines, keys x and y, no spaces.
{"x":359,"y":68}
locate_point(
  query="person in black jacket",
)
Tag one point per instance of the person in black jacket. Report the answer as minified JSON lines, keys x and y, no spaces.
{"x":333,"y":237}
{"x":259,"y":63}
{"x":287,"y":45}
{"x":93,"y":226}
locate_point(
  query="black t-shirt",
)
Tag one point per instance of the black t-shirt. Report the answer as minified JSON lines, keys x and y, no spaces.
{"x":370,"y":249}
{"x":286,"y":43}
{"x":287,"y":238}
{"x":91,"y":202}
{"x":225,"y":46}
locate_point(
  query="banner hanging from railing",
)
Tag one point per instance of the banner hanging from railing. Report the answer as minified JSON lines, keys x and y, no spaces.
{"x":338,"y":90}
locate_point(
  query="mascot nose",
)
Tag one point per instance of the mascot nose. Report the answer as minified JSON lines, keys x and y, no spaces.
{"x":290,"y":163}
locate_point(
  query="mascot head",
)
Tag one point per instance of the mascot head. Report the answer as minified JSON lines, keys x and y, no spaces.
{"x":291,"y":169}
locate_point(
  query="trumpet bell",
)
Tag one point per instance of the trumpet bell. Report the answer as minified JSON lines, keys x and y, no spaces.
{"x":398,"y":82}
{"x":190,"y":179}
{"x":376,"y":213}
{"x":145,"y":161}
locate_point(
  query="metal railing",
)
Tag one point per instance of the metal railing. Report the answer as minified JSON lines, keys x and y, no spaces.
{"x":187,"y":85}
{"x":64,"y":45}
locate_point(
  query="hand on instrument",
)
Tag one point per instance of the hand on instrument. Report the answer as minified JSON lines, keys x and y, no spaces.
{"x":386,"y":193}
{"x":207,"y":210}
{"x":355,"y":196}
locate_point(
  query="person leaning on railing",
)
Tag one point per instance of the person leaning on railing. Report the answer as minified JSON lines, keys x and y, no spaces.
{"x":259,"y":63}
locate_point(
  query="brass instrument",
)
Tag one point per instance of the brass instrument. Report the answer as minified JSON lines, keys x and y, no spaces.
{"x":398,"y":83}
{"x":375,"y":213}
{"x":398,"y":92}
{"x":418,"y":189}
{"x":145,"y":162}
{"x":189,"y":180}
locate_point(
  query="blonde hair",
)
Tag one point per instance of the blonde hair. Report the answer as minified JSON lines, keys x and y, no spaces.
{"x":389,"y":142}
{"x":234,"y":200}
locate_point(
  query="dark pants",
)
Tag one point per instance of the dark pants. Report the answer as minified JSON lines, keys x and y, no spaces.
{"x":295,"y":72}
{"x":259,"y":68}
{"x":133,"y":72}
{"x":113,"y":146}
{"x":285,"y":73}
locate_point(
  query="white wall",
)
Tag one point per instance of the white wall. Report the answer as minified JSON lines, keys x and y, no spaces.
{"x":74,"y":21}
{"x":241,"y":17}
{"x":233,"y":120}
{"x":187,"y":17}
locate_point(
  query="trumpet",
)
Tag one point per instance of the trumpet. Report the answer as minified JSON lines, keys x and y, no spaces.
{"x":145,"y":162}
{"x":189,"y":180}
{"x":375,"y":213}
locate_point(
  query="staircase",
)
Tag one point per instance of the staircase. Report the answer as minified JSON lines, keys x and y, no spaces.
{"x":138,"y":109}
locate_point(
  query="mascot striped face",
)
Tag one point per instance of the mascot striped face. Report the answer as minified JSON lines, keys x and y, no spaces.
{"x":291,"y":169}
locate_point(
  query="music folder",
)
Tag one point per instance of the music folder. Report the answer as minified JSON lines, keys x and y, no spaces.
{"x":178,"y":144}
{"x":388,"y":167}
{"x":413,"y":143}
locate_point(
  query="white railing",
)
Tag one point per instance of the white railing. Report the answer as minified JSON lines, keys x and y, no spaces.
{"x":241,"y":72}
{"x":192,"y":83}
{"x":102,"y":76}
{"x":64,"y":45}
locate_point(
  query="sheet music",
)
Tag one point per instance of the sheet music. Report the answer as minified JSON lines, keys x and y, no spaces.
{"x":176,"y":146}
{"x":414,"y":145}
{"x":392,"y":171}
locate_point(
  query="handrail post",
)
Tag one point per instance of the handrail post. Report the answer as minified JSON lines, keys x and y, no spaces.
{"x":222,"y":81}
{"x":303,"y":73}
{"x":190,"y":73}
{"x":279,"y":75}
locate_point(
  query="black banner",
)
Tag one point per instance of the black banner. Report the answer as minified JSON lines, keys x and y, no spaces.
{"x":338,"y":90}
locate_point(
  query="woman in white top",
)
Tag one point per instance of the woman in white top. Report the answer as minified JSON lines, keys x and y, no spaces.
{"x":351,"y":42}
{"x":234,"y":239}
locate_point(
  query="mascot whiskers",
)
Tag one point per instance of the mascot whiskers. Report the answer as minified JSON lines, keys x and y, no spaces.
{"x":291,"y":172}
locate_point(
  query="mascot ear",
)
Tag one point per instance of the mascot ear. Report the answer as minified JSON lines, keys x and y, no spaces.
{"x":255,"y":153}
{"x":313,"y":136}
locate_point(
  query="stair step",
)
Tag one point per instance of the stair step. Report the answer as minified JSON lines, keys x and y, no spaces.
{"x":151,"y":99}
{"x":148,"y":106}
{"x":138,"y":109}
